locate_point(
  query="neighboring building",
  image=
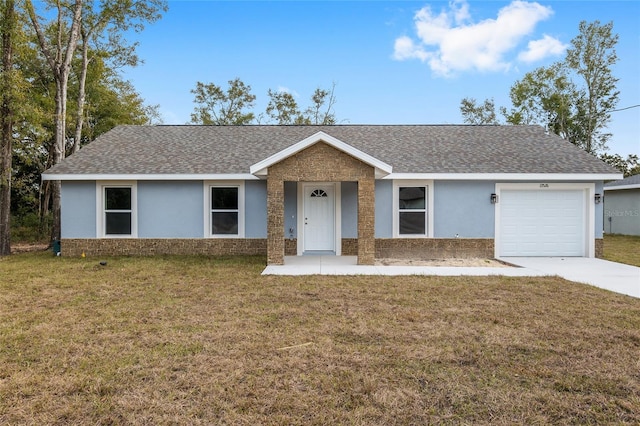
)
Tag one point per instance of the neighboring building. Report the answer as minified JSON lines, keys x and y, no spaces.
{"x":622,"y":206}
{"x":421,"y":191}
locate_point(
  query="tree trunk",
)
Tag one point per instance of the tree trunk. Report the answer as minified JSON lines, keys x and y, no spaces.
{"x":59,"y":148}
{"x":6,"y":117}
{"x":81,"y":94}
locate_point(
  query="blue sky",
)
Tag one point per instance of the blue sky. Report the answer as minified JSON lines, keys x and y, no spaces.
{"x":393,"y":62}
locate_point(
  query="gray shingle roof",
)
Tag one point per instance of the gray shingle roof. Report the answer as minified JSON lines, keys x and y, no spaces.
{"x":407,"y":148}
{"x":631,"y":180}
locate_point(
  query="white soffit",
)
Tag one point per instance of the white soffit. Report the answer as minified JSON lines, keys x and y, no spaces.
{"x":260,"y":168}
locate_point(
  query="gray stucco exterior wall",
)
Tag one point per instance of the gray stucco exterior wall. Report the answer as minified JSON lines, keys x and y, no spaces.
{"x":622,"y":212}
{"x":384,"y":209}
{"x":463,"y":208}
{"x":599,"y":212}
{"x":175,"y":209}
{"x":290,"y":210}
{"x":78,"y":210}
{"x":349,"y":207}
{"x":170,"y":210}
{"x":255,"y":207}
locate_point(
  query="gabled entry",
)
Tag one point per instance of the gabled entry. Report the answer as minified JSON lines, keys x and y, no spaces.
{"x":317,"y":162}
{"x":319,"y":218}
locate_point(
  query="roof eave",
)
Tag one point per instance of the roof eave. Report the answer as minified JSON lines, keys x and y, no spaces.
{"x":573,"y":177}
{"x":619,"y":187}
{"x":147,"y":177}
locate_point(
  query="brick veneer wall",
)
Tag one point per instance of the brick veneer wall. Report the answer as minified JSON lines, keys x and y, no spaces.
{"x":434,"y":248}
{"x":320,"y":163}
{"x":349,"y":246}
{"x":152,"y":246}
{"x":408,"y":248}
{"x":291,"y":247}
{"x":599,"y":248}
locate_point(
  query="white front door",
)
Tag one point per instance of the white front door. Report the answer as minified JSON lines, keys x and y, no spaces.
{"x":319,"y":211}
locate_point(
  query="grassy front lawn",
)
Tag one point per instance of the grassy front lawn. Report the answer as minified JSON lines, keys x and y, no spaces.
{"x":195,"y":340}
{"x":622,"y":248}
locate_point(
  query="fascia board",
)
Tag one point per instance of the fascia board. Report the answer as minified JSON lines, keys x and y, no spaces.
{"x":619,"y":187}
{"x":505,"y":176}
{"x":138,"y":177}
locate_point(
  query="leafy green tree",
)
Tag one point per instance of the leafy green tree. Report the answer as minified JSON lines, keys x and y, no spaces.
{"x":214,"y":106}
{"x":592,"y":56}
{"x":629,"y":166}
{"x":472,"y":113}
{"x":546,"y":96}
{"x":572,"y":98}
{"x":109,"y":101}
{"x":101,"y":35}
{"x":321,"y":110}
{"x":283,"y":108}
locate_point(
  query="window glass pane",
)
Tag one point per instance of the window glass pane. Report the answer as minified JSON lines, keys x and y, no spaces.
{"x":412,"y":223}
{"x":412,"y":198}
{"x":118,"y":223}
{"x":224,"y":198}
{"x":117,"y":198}
{"x":225,"y":223}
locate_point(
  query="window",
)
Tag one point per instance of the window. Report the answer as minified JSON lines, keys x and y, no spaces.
{"x":411,"y":213}
{"x":117,"y":210}
{"x":225,"y":210}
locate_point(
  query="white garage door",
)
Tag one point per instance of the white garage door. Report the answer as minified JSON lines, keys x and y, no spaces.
{"x":542,"y":223}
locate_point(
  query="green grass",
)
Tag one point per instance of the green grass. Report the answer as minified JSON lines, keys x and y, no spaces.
{"x":197,"y":340}
{"x":622,"y":248}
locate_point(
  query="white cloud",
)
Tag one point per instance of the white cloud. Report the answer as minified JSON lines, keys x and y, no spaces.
{"x":451,"y":42}
{"x":404,"y":48}
{"x":540,"y":49}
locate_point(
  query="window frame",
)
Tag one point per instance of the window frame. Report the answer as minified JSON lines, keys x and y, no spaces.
{"x":428,"y":209}
{"x":208,"y":210}
{"x":101,"y":210}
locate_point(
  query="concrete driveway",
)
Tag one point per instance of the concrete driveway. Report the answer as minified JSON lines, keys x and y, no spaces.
{"x":612,"y":276}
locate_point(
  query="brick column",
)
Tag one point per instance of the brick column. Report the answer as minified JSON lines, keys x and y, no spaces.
{"x":275,"y":220}
{"x":366,"y":221}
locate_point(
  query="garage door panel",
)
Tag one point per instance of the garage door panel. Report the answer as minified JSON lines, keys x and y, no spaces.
{"x":542,"y":223}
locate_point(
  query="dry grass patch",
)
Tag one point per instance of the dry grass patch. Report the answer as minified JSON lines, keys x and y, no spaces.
{"x":195,"y":340}
{"x":622,"y":248}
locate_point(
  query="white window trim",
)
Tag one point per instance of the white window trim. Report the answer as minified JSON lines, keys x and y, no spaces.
{"x":397,"y":184}
{"x":100,"y":208}
{"x":588,"y":217}
{"x":208,"y":226}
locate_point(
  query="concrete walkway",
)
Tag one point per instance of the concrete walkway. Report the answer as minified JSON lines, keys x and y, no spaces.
{"x":611,"y":276}
{"x":347,"y":265}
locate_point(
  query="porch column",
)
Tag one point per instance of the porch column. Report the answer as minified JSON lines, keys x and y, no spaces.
{"x":275,"y":221}
{"x":366,"y":221}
